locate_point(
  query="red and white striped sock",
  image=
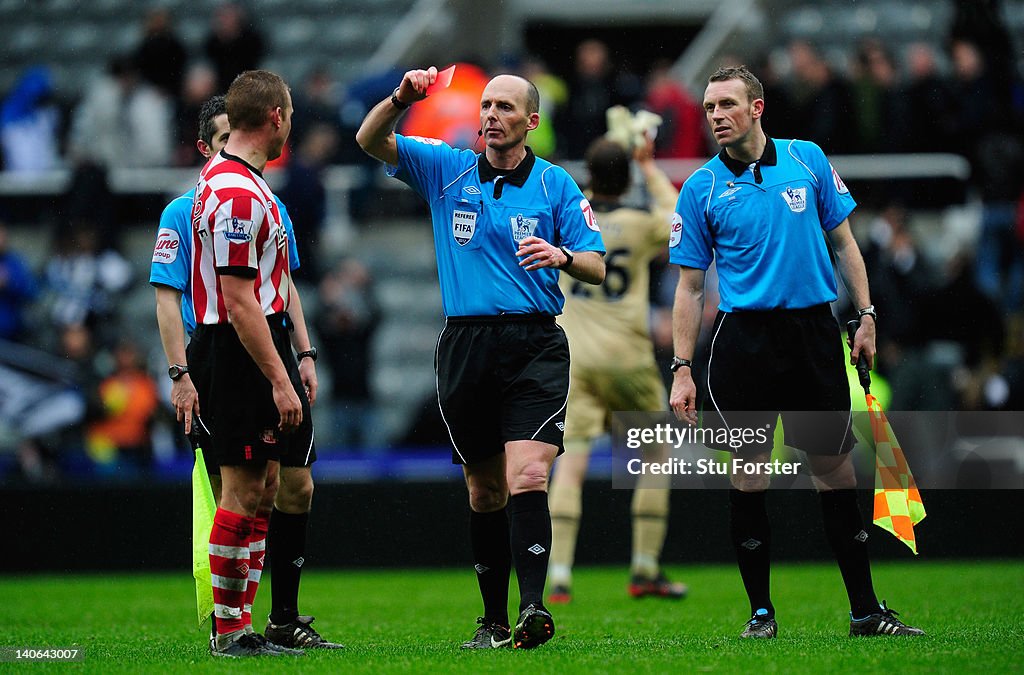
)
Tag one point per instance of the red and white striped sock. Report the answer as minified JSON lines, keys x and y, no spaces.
{"x":257,"y":553}
{"x":229,"y":568}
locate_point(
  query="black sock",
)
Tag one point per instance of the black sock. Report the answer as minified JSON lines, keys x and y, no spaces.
{"x":844,"y":528}
{"x":751,"y":538}
{"x":530,"y":524}
{"x":492,"y":559}
{"x":286,"y":546}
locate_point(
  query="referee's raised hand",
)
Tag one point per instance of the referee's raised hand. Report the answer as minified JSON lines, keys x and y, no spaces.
{"x":288,"y":407}
{"x":414,"y":85}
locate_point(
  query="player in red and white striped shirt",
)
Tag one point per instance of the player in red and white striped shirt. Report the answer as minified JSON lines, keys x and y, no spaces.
{"x":251,"y":393}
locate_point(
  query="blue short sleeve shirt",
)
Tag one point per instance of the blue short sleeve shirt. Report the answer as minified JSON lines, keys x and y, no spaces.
{"x":764,"y":226}
{"x":479,"y":217}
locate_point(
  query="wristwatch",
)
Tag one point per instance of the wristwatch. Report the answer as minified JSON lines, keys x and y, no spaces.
{"x":568,"y":257}
{"x":176,"y":371}
{"x":868,"y":311}
{"x":678,"y":363}
{"x":397,"y":103}
{"x":310,"y":353}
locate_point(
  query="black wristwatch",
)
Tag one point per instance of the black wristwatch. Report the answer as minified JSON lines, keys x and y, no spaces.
{"x":568,"y":257}
{"x":678,"y":363}
{"x":176,"y":371}
{"x":868,"y":311}
{"x":311,"y":354}
{"x":398,"y":104}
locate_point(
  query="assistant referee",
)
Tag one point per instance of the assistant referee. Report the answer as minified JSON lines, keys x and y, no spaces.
{"x":505,"y":222}
{"x":762,"y":209}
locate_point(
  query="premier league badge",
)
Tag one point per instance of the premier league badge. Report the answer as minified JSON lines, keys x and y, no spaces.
{"x":523,"y":228}
{"x":796,"y":198}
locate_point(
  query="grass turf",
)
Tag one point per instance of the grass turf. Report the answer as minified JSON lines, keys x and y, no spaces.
{"x":413,"y":621}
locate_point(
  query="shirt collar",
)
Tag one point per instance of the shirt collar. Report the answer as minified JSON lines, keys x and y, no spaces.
{"x":243,"y":163}
{"x":768,"y":158}
{"x":516,"y":176}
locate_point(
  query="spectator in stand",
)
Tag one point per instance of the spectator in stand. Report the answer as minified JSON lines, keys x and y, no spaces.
{"x":591,"y":93}
{"x":304,"y":190}
{"x":83,"y":281}
{"x":779,"y":117}
{"x":681,"y":135}
{"x":821,"y":99}
{"x":554,"y":94}
{"x":200,"y":86}
{"x":988,"y":132}
{"x":29,"y":124}
{"x":120,"y":111}
{"x":900,"y":279}
{"x":880,"y":112}
{"x":973,"y":96}
{"x":161,"y":56}
{"x":119,"y":438}
{"x":929,"y":104}
{"x":17,"y":288}
{"x":234,"y":44}
{"x":348,"y":318}
{"x":317,"y":105}
{"x":980,"y":22}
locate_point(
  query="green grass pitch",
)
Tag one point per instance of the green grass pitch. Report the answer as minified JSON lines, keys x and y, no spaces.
{"x":413,"y":620}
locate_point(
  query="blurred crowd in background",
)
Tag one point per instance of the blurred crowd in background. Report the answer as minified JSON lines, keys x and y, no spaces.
{"x":951,"y":329}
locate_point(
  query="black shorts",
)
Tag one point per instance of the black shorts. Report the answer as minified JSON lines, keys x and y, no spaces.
{"x":239,"y":419}
{"x":500,"y":379}
{"x":791,"y":362}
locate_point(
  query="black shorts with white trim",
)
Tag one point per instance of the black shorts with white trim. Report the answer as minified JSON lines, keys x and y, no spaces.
{"x":499,"y":379}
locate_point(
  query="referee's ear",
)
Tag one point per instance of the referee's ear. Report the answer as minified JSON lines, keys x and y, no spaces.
{"x":757,"y":108}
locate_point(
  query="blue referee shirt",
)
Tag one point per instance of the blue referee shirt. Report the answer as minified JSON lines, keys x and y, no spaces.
{"x":763,"y":224}
{"x":479,"y":218}
{"x":172,"y":255}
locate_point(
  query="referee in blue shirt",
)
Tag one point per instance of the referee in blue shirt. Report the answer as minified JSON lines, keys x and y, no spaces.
{"x":762,"y":210}
{"x":505,"y":224}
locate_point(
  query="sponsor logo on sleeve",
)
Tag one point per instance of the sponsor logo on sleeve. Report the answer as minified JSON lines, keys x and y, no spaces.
{"x":676,"y":234}
{"x":796,"y":198}
{"x":838,"y":182}
{"x":167,"y":243}
{"x":588,"y":215}
{"x":239,"y":230}
{"x":426,"y":141}
{"x":463,"y":226}
{"x":523,"y":227}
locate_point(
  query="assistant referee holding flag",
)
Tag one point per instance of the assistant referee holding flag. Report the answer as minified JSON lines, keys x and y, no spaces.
{"x":505,"y":222}
{"x":761,"y":209}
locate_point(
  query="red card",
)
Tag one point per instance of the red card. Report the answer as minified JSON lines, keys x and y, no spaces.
{"x":443,"y":81}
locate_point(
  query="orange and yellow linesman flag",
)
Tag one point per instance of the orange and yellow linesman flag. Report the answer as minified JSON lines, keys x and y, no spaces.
{"x":203,"y":509}
{"x":898,"y":505}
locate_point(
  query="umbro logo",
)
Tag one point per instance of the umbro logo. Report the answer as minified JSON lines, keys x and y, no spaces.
{"x":243,"y":569}
{"x":480,"y":569}
{"x":750,"y":544}
{"x":560,"y":425}
{"x":471,"y":189}
{"x":861,"y":536}
{"x":536,"y":549}
{"x":299,"y":562}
